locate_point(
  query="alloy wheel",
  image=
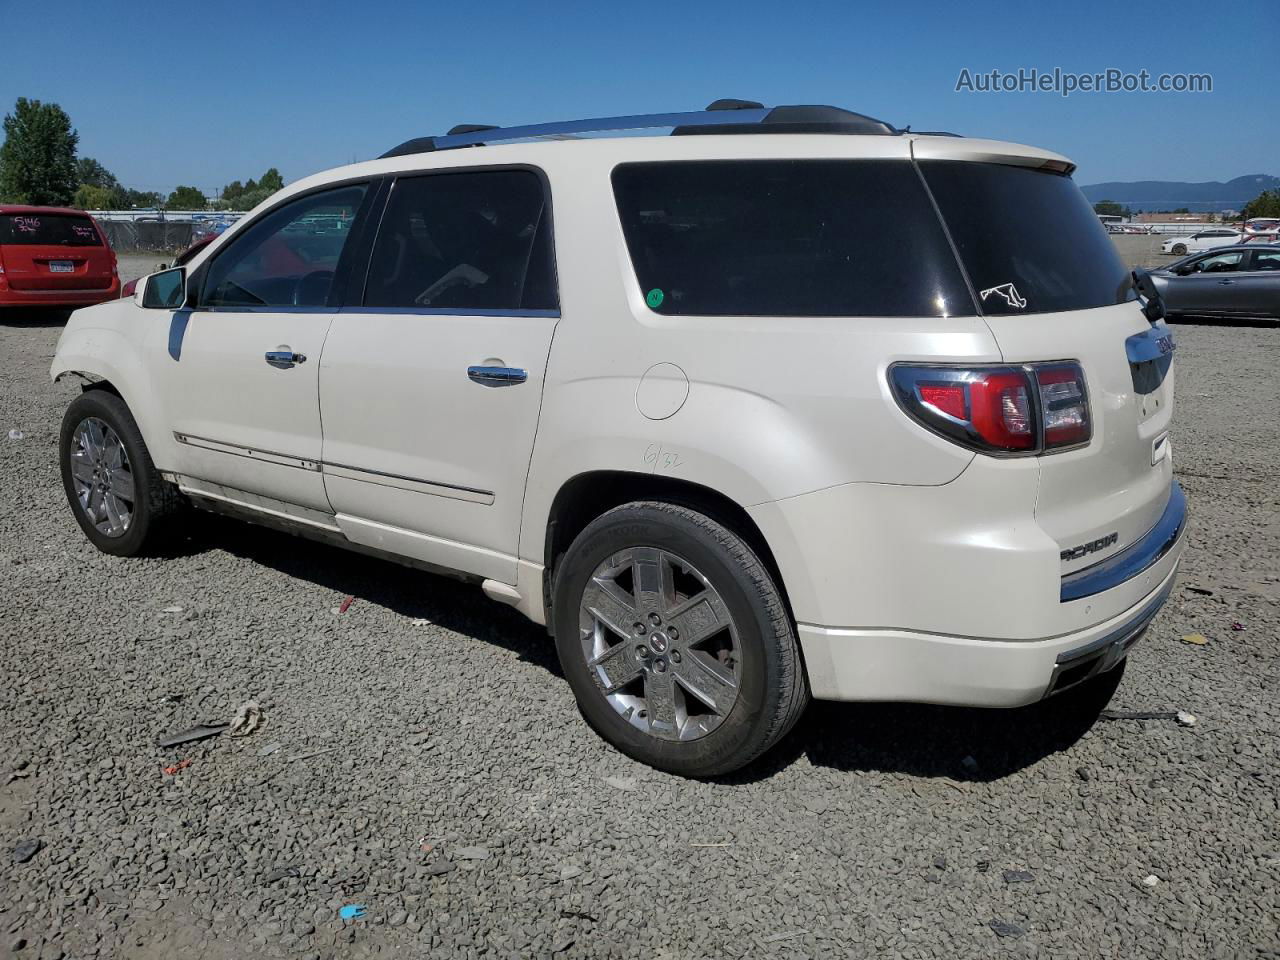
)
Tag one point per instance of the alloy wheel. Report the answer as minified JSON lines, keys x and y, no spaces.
{"x":102,"y":476}
{"x":660,"y":643}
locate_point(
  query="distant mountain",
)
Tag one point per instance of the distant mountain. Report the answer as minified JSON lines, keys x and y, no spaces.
{"x":1171,"y":194}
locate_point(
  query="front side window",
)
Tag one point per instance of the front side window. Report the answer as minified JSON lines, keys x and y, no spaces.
{"x":476,"y":240}
{"x":1221,"y":262}
{"x":48,"y":229}
{"x":288,"y":257}
{"x":1027,"y":237}
{"x":800,"y":238}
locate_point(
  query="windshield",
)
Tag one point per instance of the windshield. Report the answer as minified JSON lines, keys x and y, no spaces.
{"x":1028,"y":238}
{"x":48,"y":229}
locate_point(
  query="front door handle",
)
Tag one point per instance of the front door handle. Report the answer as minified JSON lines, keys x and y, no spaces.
{"x":1226,"y":281}
{"x":497,"y":376}
{"x":283,"y":357}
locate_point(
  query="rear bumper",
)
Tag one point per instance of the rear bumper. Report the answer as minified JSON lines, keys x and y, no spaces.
{"x":968,"y":671}
{"x":58,"y":298}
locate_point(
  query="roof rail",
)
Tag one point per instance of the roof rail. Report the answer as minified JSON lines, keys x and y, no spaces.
{"x":722,"y":116}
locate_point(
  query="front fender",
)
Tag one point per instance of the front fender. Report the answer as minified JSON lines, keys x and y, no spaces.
{"x":98,"y":351}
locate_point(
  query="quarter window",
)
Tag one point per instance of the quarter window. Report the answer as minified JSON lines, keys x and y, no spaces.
{"x":798,"y":238}
{"x":289,"y":257}
{"x":477,"y":240}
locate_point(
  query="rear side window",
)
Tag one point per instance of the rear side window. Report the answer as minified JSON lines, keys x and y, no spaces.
{"x":798,"y":238}
{"x":52,"y":229}
{"x":1028,"y":238}
{"x":477,"y":240}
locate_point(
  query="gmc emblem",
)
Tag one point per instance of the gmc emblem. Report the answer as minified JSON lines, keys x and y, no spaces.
{"x":1093,"y":546}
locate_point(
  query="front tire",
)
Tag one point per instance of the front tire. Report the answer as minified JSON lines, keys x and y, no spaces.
{"x":118,"y":497}
{"x":1179,"y":250}
{"x":676,"y":641}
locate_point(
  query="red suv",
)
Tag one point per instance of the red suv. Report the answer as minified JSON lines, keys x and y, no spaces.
{"x":54,"y":257}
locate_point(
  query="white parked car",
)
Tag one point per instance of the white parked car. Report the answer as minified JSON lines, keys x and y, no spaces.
{"x":811,"y":410}
{"x":1199,"y":242}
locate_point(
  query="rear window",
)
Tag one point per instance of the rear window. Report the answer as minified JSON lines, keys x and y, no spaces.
{"x":794,"y":238}
{"x":1028,"y":238}
{"x":52,"y":229}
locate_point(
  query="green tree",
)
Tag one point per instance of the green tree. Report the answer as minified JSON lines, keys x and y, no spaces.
{"x":139,"y":198}
{"x":186,"y":198}
{"x":251,"y":198}
{"x":38,"y":158}
{"x":91,"y":197}
{"x":1109,"y":208}
{"x":271,"y":180}
{"x":90,"y":171}
{"x":1265,"y":204}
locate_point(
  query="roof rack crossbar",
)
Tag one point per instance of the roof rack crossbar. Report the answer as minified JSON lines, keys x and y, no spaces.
{"x":699,"y":118}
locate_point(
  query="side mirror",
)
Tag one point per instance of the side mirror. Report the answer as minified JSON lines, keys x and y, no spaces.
{"x":162,"y":291}
{"x":1183,"y":270}
{"x":1149,"y":294}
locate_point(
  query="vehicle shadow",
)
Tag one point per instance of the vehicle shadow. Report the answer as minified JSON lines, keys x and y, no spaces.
{"x":921,"y":740}
{"x":452,"y":604}
{"x":33,"y":317}
{"x":914,"y":739}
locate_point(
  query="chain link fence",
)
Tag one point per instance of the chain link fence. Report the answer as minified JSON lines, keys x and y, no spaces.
{"x":148,"y":236}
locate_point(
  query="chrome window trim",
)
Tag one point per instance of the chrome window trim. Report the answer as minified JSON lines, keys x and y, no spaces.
{"x":450,"y":312}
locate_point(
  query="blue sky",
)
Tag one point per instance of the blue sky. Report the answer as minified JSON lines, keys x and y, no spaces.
{"x":173,"y":92}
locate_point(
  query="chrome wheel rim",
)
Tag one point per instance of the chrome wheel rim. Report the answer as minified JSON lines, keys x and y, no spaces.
{"x":102,"y":477}
{"x":660,"y":643}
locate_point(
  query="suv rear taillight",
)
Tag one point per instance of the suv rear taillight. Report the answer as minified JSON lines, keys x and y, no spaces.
{"x":1001,"y":410}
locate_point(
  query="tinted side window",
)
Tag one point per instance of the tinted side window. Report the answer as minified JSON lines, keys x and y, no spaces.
{"x":1027,"y":237}
{"x":289,"y":256}
{"x":795,"y":238}
{"x":1266,"y":260}
{"x":479,"y":240}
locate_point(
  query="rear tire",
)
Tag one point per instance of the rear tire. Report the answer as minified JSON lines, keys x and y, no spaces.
{"x":676,"y":641}
{"x":116,"y":493}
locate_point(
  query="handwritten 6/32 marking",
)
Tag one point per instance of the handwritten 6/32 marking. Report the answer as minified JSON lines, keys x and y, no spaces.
{"x":660,"y":459}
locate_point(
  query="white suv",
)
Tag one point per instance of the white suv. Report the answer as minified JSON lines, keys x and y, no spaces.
{"x":814,"y":409}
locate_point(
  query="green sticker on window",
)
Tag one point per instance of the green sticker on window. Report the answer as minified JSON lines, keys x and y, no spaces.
{"x":654,"y":298}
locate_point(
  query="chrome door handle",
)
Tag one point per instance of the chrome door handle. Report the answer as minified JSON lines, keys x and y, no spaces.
{"x":283,"y":358}
{"x":497,"y":376}
{"x":1226,"y":281}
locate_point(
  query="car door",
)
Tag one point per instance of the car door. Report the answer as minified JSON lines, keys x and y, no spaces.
{"x":430,"y":388}
{"x":1210,"y":288}
{"x":239,"y":381}
{"x":1259,"y":283}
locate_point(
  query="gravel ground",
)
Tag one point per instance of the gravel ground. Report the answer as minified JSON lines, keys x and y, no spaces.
{"x":421,"y":756}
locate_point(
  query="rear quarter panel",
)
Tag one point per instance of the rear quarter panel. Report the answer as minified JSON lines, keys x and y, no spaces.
{"x":776,"y":407}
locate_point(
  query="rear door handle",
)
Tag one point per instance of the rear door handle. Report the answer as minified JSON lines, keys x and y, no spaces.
{"x":497,"y":376}
{"x":283,"y":357}
{"x":1226,"y":281}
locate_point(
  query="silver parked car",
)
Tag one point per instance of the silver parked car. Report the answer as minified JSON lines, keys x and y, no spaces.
{"x":1237,"y":282}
